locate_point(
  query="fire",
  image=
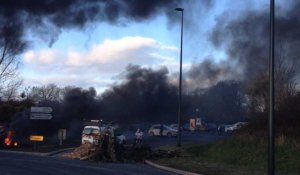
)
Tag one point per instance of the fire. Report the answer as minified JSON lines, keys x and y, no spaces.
{"x":7,"y":141}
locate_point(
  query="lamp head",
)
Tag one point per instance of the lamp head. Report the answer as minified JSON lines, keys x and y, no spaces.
{"x":179,"y":9}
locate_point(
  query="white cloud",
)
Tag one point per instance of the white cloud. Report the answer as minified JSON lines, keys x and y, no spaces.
{"x":42,"y":57}
{"x":126,"y":50}
{"x":99,"y":64}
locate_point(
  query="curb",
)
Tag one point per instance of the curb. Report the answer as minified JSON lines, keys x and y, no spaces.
{"x":173,"y":170}
{"x":57,"y":151}
{"x":38,"y":154}
{"x":22,"y":152}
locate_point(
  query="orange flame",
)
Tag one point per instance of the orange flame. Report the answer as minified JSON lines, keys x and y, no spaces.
{"x":7,"y":141}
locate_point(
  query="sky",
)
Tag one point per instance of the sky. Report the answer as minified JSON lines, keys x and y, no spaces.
{"x":96,"y":55}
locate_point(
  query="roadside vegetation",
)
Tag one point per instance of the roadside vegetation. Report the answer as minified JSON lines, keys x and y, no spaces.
{"x":241,"y":156}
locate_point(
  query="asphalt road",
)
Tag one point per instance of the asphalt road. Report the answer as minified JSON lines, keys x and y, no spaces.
{"x":16,"y":163}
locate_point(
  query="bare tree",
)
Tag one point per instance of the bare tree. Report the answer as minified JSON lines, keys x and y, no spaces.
{"x":49,"y":92}
{"x":285,"y":84}
{"x":10,"y":90}
{"x":11,"y":46}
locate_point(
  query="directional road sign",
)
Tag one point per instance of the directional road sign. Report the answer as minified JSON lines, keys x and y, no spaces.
{"x":41,"y":110}
{"x":40,"y":116}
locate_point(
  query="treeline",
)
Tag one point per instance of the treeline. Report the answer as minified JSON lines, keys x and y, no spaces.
{"x":144,"y":95}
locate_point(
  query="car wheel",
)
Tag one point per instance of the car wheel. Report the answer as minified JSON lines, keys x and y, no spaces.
{"x":151,"y":134}
{"x":169,"y":134}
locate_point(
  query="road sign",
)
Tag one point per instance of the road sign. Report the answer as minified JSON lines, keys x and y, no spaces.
{"x":36,"y":138}
{"x":198,"y":121}
{"x":40,"y":116}
{"x":41,"y":110}
{"x":192,"y":124}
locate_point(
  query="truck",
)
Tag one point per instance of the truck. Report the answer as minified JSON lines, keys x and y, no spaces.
{"x":93,"y":129}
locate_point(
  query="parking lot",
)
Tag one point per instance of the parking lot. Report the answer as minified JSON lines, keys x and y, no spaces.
{"x":186,"y":138}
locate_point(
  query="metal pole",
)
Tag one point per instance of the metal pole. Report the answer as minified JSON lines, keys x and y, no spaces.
{"x":271,"y":144}
{"x":180,"y":82}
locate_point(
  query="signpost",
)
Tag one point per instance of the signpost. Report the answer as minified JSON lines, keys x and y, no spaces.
{"x":38,"y":114}
{"x":62,"y":135}
{"x":36,"y":139}
{"x":41,"y":113}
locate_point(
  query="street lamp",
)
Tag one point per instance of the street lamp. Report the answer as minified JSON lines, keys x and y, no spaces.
{"x":271,"y":145}
{"x":180,"y":82}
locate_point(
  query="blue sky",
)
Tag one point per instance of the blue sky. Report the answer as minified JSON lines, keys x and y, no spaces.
{"x":96,"y":55}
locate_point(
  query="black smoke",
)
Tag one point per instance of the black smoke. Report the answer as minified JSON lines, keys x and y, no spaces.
{"x":208,"y":73}
{"x":144,"y":96}
{"x":47,"y":18}
{"x":246,"y":38}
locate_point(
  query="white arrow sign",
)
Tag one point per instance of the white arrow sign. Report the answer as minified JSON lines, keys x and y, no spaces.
{"x":38,"y":116}
{"x":41,"y":109}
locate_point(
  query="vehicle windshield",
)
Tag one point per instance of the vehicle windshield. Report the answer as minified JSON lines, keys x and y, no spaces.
{"x":91,"y":131}
{"x":87,"y":131}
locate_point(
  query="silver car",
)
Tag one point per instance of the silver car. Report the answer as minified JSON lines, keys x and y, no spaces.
{"x":235,"y":126}
{"x":167,"y":131}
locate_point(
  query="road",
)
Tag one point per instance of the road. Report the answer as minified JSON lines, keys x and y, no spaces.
{"x":16,"y":163}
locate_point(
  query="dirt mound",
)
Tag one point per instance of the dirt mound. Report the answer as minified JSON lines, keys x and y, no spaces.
{"x":81,"y":152}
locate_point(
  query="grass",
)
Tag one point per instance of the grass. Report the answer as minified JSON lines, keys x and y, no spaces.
{"x":235,"y":156}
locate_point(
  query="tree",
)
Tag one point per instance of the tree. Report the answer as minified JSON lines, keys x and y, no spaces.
{"x":50,"y":92}
{"x":10,"y":90}
{"x":285,"y":87}
{"x":11,"y":46}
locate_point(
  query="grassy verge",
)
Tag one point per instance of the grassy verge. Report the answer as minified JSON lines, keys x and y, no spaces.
{"x":235,"y":156}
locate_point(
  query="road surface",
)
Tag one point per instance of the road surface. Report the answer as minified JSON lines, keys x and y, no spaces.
{"x":16,"y":163}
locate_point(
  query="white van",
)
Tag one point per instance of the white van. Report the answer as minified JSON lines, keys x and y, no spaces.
{"x":90,"y":134}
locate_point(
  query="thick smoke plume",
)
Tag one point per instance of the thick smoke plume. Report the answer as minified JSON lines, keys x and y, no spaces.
{"x":209,"y":73}
{"x":246,"y":39}
{"x":144,"y":95}
{"x":47,"y":18}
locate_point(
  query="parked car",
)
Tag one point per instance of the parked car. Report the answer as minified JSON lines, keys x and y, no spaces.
{"x":238,"y":125}
{"x":175,"y":126}
{"x":167,"y":131}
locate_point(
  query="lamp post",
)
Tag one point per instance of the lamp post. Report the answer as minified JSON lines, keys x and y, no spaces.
{"x":180,"y":82}
{"x":271,"y":144}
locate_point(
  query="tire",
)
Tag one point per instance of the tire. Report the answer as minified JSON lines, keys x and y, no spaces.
{"x":151,"y":134}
